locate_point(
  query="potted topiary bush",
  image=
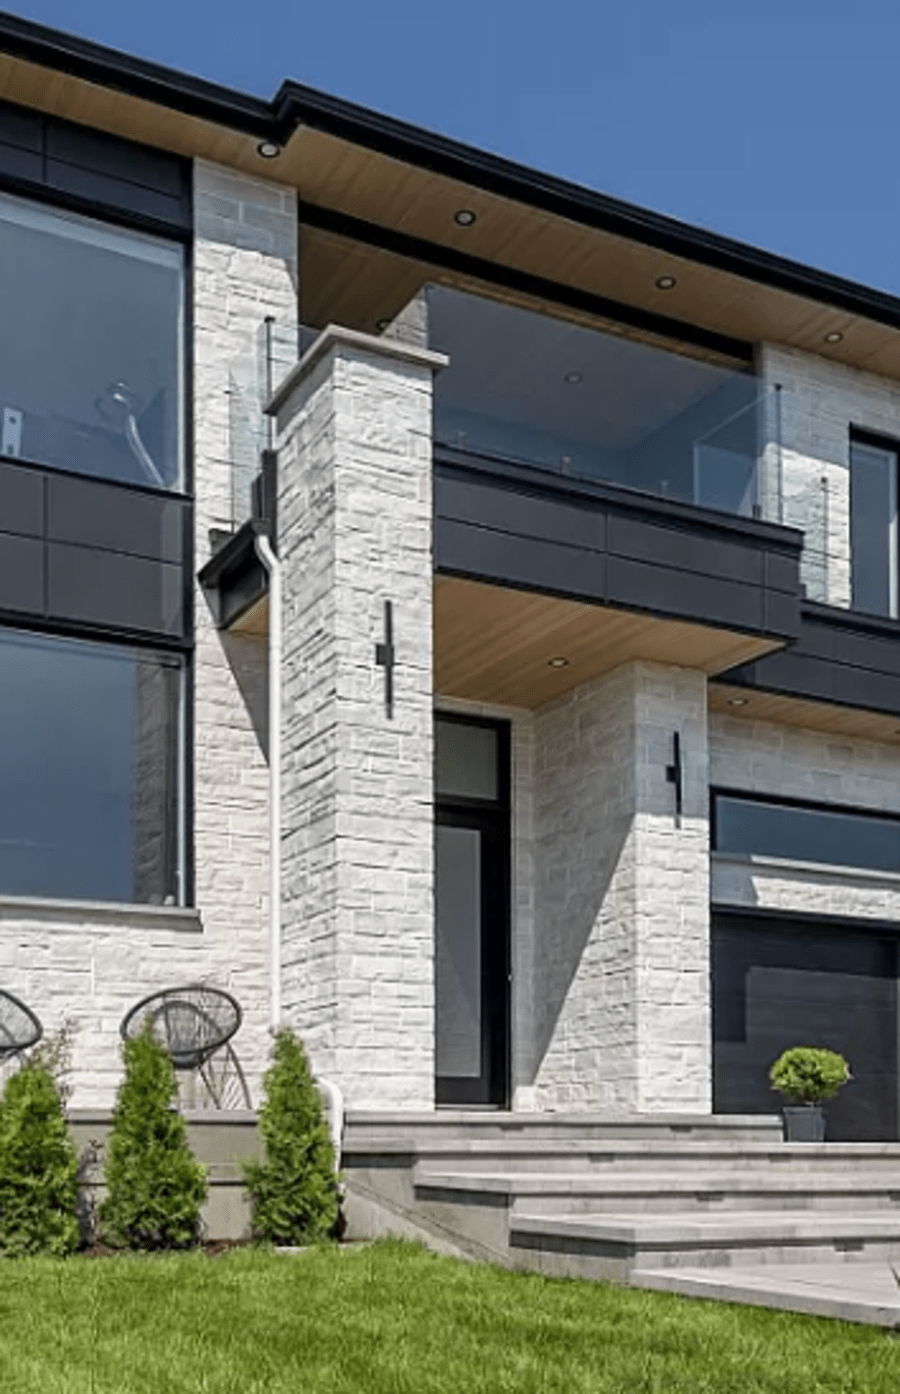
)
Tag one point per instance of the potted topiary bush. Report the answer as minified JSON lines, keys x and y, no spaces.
{"x":810,"y":1076}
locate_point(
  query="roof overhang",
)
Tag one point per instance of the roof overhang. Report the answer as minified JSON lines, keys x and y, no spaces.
{"x":391,"y":176}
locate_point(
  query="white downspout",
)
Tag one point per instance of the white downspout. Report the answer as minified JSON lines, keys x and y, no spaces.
{"x":270,"y":562}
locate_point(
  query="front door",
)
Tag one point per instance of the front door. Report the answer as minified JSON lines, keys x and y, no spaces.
{"x":471,"y":911}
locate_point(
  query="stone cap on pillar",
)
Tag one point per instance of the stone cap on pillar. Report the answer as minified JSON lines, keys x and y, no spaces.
{"x":335,"y":336}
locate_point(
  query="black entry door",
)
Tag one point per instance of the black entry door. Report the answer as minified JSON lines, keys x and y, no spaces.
{"x":778,"y":984}
{"x":471,"y":913}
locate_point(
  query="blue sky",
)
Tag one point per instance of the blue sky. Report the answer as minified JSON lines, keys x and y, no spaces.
{"x":775,"y":122}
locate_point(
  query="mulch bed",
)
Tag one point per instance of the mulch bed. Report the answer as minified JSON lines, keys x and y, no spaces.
{"x":211,"y":1248}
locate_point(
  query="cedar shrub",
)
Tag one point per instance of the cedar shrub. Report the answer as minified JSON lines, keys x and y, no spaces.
{"x":294,"y":1189}
{"x":155,"y":1188}
{"x":38,"y":1160}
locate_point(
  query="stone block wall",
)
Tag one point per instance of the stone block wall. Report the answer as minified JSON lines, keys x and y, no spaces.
{"x":820,"y":400}
{"x":621,"y":955}
{"x":355,"y":530}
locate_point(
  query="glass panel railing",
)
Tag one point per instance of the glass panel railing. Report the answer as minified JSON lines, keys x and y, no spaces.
{"x":530,"y":389}
{"x":268,"y":356}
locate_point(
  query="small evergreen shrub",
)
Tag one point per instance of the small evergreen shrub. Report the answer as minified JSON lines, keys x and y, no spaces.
{"x":809,"y":1074}
{"x":294,"y":1189}
{"x":155,"y":1188}
{"x":38,"y":1161}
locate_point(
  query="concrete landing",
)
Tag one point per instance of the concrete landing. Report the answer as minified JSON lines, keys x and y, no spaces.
{"x":857,"y":1291}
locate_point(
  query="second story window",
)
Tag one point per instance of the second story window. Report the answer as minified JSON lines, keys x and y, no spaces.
{"x":90,"y":347}
{"x":873,"y":526}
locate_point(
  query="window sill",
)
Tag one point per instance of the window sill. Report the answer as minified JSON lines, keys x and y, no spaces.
{"x":101,"y":913}
{"x":810,"y":870}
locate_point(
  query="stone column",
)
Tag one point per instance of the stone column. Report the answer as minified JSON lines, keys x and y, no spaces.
{"x":355,"y":530}
{"x":621,"y":1009}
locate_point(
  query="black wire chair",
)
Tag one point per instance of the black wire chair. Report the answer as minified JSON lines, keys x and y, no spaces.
{"x":195,"y":1025}
{"x":19,"y":1027}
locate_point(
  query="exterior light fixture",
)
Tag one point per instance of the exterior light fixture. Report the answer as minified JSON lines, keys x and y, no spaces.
{"x":834,"y":337}
{"x":558,"y":663}
{"x":573,"y":377}
{"x":737,"y":701}
{"x":666,"y":283}
{"x":464,"y":217}
{"x":268,"y":149}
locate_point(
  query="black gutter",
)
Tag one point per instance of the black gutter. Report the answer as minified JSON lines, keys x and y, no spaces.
{"x":295,"y":104}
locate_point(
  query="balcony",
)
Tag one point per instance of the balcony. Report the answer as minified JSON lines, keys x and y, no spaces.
{"x":573,"y":463}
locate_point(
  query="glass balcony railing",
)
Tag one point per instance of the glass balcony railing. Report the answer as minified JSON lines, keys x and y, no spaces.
{"x":529,"y":389}
{"x":268,"y":357}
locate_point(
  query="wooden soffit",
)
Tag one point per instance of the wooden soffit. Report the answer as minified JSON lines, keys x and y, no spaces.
{"x":332,"y":172}
{"x":492,"y":644}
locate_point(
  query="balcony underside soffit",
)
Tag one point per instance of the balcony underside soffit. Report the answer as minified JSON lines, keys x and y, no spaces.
{"x":492,"y":644}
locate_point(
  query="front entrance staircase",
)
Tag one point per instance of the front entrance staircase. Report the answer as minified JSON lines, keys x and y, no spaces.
{"x":655,"y":1201}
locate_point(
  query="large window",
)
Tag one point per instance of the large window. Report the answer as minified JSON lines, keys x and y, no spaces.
{"x":805,"y":832}
{"x":873,"y":527}
{"x":91,"y":347}
{"x":91,"y":762}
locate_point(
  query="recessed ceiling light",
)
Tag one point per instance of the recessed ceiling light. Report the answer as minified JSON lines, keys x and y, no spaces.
{"x":834,"y":337}
{"x":573,"y":377}
{"x":666,"y":283}
{"x":268,"y":149}
{"x":558,"y":663}
{"x":464,"y":216}
{"x":737,"y":701}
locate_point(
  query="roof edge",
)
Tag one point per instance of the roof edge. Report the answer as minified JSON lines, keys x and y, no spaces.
{"x":295,"y":104}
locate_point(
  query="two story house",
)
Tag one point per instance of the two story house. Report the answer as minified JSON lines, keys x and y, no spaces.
{"x":452,"y":610}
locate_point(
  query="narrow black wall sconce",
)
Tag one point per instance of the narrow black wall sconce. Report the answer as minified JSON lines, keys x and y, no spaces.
{"x":384,"y":657}
{"x":673,"y":772}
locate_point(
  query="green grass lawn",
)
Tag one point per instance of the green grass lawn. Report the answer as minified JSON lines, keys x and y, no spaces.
{"x":392,"y":1318}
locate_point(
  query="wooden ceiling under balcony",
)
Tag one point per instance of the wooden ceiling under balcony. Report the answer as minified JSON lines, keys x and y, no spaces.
{"x":336,"y":173}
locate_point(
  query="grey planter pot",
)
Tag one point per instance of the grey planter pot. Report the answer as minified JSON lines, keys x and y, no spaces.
{"x":804,"y":1124}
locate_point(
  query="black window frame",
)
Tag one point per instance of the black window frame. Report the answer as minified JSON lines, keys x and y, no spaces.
{"x":82,"y":196}
{"x":859,"y":435}
{"x":802,"y":805}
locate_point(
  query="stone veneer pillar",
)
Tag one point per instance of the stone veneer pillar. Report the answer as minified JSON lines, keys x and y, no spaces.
{"x":621,"y":951}
{"x":355,"y":530}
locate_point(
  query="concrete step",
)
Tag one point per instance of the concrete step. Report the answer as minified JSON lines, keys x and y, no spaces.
{"x":603,"y":1246}
{"x":664,"y":1193}
{"x":866,"y":1292}
{"x":363,"y":1128}
{"x":548,"y":1155}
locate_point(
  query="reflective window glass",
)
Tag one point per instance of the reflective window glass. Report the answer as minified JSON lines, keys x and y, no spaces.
{"x":465,"y":760}
{"x":806,"y":834}
{"x":873,"y":528}
{"x":90,"y":771}
{"x":91,"y":334}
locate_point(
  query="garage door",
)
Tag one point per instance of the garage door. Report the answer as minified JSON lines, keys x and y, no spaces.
{"x":778,"y":984}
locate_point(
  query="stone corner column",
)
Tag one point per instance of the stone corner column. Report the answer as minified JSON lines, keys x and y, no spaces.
{"x":355,"y":531}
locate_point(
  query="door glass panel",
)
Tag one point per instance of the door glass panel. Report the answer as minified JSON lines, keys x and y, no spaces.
{"x":873,"y":529}
{"x":465,"y":760}
{"x":458,"y":952}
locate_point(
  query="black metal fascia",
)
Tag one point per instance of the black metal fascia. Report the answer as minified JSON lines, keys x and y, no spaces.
{"x":295,"y":104}
{"x":655,"y":508}
{"x":136,"y":77}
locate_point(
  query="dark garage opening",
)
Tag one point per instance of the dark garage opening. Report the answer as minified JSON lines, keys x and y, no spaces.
{"x":780,"y":983}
